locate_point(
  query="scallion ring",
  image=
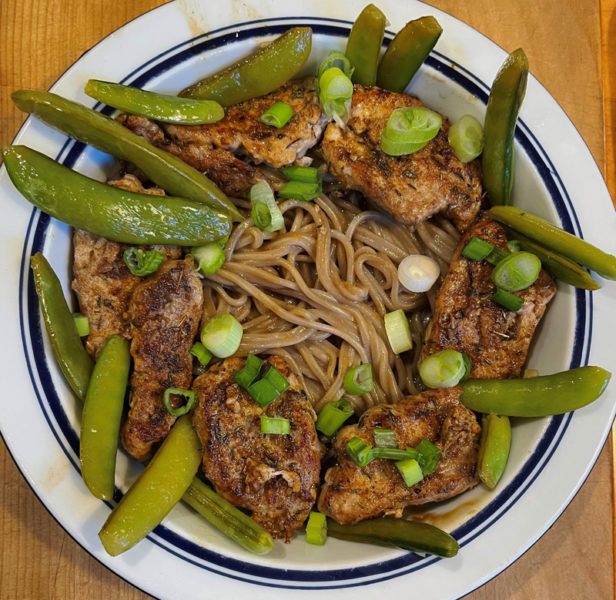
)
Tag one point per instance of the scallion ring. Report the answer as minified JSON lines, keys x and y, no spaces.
{"x":261,"y":193}
{"x":428,"y":457}
{"x":358,"y":380}
{"x":276,"y":379}
{"x":249,"y":373}
{"x":222,"y":335}
{"x":443,"y":369}
{"x":142,"y":262}
{"x":201,"y":353}
{"x":398,"y":331}
{"x":516,"y":271}
{"x":263,"y":392}
{"x":178,"y":411}
{"x":410,"y":471}
{"x":304,"y":174}
{"x":477,"y":249}
{"x":275,"y":425}
{"x":300,"y":190}
{"x":385,"y":438}
{"x":466,"y":137}
{"x":418,"y":273}
{"x":338,"y":59}
{"x":360,"y":452}
{"x":333,"y":415}
{"x":277,"y":115}
{"x":335,"y":92}
{"x":507,"y":300}
{"x":82,"y":324}
{"x":409,"y":129}
{"x":394,"y":453}
{"x":209,"y":257}
{"x":316,"y":529}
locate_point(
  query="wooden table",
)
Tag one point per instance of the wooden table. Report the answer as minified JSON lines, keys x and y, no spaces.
{"x":39,"y":39}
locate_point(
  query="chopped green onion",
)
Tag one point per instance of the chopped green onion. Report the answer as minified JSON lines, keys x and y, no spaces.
{"x":418,"y":273}
{"x":261,"y":193}
{"x":466,"y":137}
{"x":443,"y":369}
{"x":142,"y":262}
{"x":209,"y":258}
{"x":385,"y":438}
{"x":305,"y":174}
{"x":222,"y":335}
{"x":398,"y":331}
{"x":477,"y":249}
{"x":277,"y":115}
{"x":301,"y":190}
{"x":514,"y":246}
{"x":263,"y":392}
{"x":337,"y":59}
{"x":410,"y":471}
{"x":189,"y":395}
{"x":246,"y":376}
{"x":508,"y":300}
{"x":360,"y":452}
{"x":358,"y":380}
{"x":467,"y":365}
{"x":394,"y":453}
{"x":316,"y":529}
{"x":82,"y":323}
{"x":276,"y":379}
{"x":261,"y":215}
{"x":276,"y":425}
{"x":428,"y":456}
{"x":409,"y":129}
{"x":496,"y":256}
{"x":333,"y":415}
{"x":201,"y":353}
{"x":516,"y":272}
{"x":335,"y":92}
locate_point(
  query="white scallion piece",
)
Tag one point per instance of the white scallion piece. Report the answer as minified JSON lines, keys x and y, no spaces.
{"x":417,"y":273}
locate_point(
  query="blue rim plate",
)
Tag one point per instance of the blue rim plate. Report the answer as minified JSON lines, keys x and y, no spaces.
{"x":550,"y":457}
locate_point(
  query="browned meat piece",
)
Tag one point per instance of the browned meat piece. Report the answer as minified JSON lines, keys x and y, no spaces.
{"x":412,"y":187}
{"x":351,"y":493}
{"x":102,"y":281}
{"x":467,"y":320}
{"x":232,"y":175}
{"x":164,"y":313}
{"x":242,"y":131}
{"x":274,"y":476}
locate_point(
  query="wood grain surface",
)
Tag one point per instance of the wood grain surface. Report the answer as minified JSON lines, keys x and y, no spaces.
{"x":39,"y":39}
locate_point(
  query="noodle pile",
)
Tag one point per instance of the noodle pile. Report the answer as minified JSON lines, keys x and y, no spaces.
{"x":316,"y":292}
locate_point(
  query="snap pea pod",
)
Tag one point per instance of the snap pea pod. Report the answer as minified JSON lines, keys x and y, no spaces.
{"x":409,"y":535}
{"x":227,"y":518}
{"x":158,"y":489}
{"x":538,"y":396}
{"x":556,"y":239}
{"x":160,"y":107}
{"x":504,"y":103}
{"x":561,"y":267}
{"x":74,"y":361}
{"x":106,"y":134}
{"x":258,"y":74}
{"x":493,"y":449}
{"x":110,"y":212}
{"x":100,"y":420}
{"x":406,"y":52}
{"x":364,"y":45}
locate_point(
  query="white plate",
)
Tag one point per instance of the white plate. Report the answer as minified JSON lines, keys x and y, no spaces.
{"x":556,"y":177}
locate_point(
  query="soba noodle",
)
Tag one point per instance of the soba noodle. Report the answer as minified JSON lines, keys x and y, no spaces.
{"x":316,"y":292}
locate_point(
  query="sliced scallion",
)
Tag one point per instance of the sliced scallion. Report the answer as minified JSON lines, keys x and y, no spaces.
{"x":263,"y":392}
{"x":338,"y":59}
{"x":261,"y":215}
{"x":277,"y":115}
{"x":466,"y":137}
{"x":300,"y":190}
{"x":335,"y":92}
{"x":394,"y":453}
{"x":398,"y":331}
{"x":178,"y":411}
{"x":201,"y":353}
{"x":209,"y":257}
{"x":261,"y":193}
{"x":222,"y":335}
{"x":409,"y":130}
{"x":496,"y":255}
{"x":360,"y":452}
{"x":249,"y":373}
{"x":508,"y":300}
{"x":275,"y":425}
{"x":333,"y":415}
{"x":443,"y":369}
{"x":514,"y":246}
{"x":477,"y":249}
{"x":385,"y":438}
{"x":316,"y":529}
{"x":304,"y":174}
{"x":516,"y":272}
{"x":418,"y":273}
{"x":82,"y":323}
{"x":358,"y":380}
{"x":276,"y":379}
{"x":428,"y":456}
{"x":410,"y":471}
{"x":142,"y":262}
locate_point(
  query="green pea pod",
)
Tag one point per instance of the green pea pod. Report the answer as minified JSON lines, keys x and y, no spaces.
{"x":364,"y":45}
{"x":504,"y":104}
{"x":160,"y":107}
{"x":493,"y":449}
{"x":100,"y":420}
{"x":111,"y":212}
{"x":538,"y":396}
{"x":102,"y":132}
{"x":258,"y":74}
{"x":74,"y":361}
{"x":559,"y":266}
{"x":158,"y":489}
{"x":406,"y":53}
{"x":227,"y":518}
{"x":554,"y":238}
{"x":410,"y":535}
